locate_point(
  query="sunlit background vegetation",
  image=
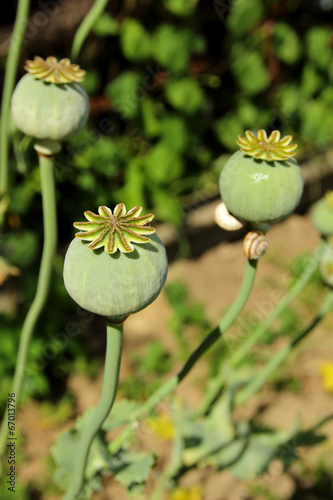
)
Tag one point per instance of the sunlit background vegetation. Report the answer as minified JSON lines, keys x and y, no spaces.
{"x":172,"y":83}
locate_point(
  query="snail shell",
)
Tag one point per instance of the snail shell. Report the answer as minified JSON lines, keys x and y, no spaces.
{"x":255,"y":245}
{"x":225,"y":220}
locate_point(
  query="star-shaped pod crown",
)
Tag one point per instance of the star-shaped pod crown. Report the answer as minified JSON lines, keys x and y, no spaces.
{"x":115,"y":230}
{"x":271,"y":148}
{"x":53,"y":71}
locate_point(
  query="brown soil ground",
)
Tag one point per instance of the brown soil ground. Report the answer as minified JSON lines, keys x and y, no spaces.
{"x":214,"y":280}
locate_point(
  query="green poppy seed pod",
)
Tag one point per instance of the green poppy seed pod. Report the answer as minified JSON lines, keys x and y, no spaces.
{"x":49,"y":102}
{"x":322,"y":214}
{"x":326,"y":264}
{"x":109,"y":282}
{"x":262,"y":182}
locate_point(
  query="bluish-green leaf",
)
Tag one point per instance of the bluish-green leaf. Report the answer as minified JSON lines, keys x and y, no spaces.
{"x":64,"y":453}
{"x":131,"y":468}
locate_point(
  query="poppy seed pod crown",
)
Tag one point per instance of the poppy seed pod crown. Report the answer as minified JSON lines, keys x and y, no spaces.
{"x":262,"y":182}
{"x":116,"y":265}
{"x":49,"y":102}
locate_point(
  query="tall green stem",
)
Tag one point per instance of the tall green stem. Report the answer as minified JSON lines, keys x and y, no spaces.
{"x":8,"y":86}
{"x":44,"y":278}
{"x":171,"y":384}
{"x":239,"y":355}
{"x":258,"y":381}
{"x":110,"y":384}
{"x":86,"y":25}
{"x":249,"y":342}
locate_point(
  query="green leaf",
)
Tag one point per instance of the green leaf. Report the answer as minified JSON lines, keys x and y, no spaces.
{"x":122,"y":412}
{"x":244,"y":15}
{"x":249,"y":70}
{"x":311,"y":81}
{"x":177,"y":294}
{"x":289,"y":99}
{"x":166,"y":208}
{"x":181,"y":7}
{"x":163,"y":165}
{"x":172,"y":47}
{"x":23,"y":194}
{"x":327,"y":96}
{"x":21,"y":248}
{"x":149,"y":110}
{"x":286,"y":43}
{"x":123,"y":92}
{"x":318,"y":47}
{"x":249,"y":451}
{"x":92,"y":81}
{"x":185,"y":95}
{"x":133,"y":192}
{"x":227,"y":128}
{"x":174,"y":132}
{"x":256,"y":455}
{"x":106,"y":25}
{"x":248,"y":114}
{"x":135,"y":41}
{"x":64,"y":453}
{"x":317,"y":122}
{"x":252,"y":116}
{"x":104,"y":155}
{"x":156,"y":360}
{"x":131,"y":468}
{"x":202,"y":439}
{"x":87,"y":181}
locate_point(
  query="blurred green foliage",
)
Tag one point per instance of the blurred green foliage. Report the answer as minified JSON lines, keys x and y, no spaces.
{"x":172,"y":84}
{"x":190,"y":78}
{"x":189,"y":320}
{"x":178,"y":81}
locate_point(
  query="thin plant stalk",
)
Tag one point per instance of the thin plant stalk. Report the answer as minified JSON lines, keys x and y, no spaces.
{"x":44,"y":279}
{"x":87,"y":24}
{"x":240,"y":354}
{"x":258,"y":381}
{"x":8,"y":87}
{"x":110,"y":384}
{"x":213,"y":336}
{"x":306,"y":276}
